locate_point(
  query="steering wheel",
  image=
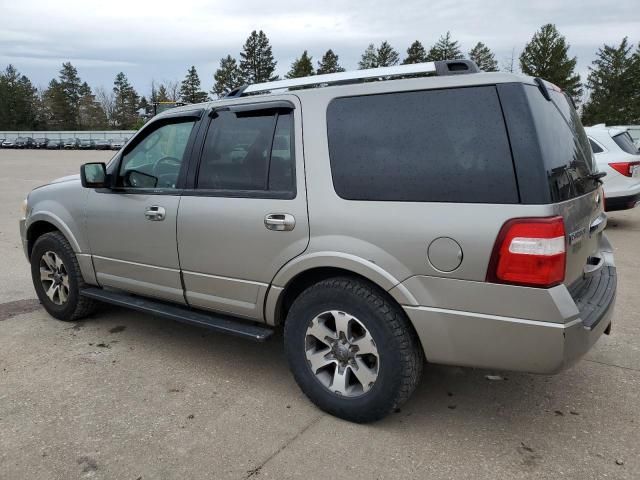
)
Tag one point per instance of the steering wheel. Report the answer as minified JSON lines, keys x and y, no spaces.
{"x":166,"y":165}
{"x":166,"y":171}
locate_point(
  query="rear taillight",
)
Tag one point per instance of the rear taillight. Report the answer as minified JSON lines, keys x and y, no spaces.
{"x":529,"y":252}
{"x":625,"y":168}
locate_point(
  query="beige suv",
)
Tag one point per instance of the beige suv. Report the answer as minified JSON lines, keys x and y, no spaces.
{"x":381,"y":217}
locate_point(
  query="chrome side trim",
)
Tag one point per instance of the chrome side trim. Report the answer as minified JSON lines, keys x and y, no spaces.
{"x":146,"y":265}
{"x":231,"y":279}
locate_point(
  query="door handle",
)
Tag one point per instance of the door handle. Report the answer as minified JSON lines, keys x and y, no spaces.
{"x":155,"y":213}
{"x":280,"y":222}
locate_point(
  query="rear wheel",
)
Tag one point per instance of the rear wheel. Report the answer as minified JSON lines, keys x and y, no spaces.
{"x":352,"y":350}
{"x":57,"y":279}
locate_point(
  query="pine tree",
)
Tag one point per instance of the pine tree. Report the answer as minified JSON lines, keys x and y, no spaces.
{"x":257,"y":63}
{"x":387,"y":56}
{"x":91,"y":115}
{"x":546,"y":56}
{"x":383,"y":56}
{"x":63,"y":98}
{"x":369,"y":58}
{"x":329,"y":63}
{"x":301,"y":67}
{"x":162,"y":95}
{"x":144,"y":105}
{"x":227,"y":77}
{"x":634,"y":100}
{"x":445,"y":49}
{"x":126,"y":102}
{"x":17,"y":101}
{"x":190,"y":91}
{"x":610,"y":82}
{"x":483,"y":58}
{"x":415,"y":54}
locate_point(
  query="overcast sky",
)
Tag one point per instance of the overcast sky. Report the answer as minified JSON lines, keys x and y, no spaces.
{"x":160,"y":39}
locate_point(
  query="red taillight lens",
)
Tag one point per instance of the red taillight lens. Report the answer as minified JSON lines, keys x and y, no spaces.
{"x":530,"y":252}
{"x":625,"y":168}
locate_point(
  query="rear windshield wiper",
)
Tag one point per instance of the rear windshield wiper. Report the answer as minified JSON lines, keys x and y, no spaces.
{"x":597,"y":176}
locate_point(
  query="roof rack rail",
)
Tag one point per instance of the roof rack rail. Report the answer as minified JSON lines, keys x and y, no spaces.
{"x":445,"y":67}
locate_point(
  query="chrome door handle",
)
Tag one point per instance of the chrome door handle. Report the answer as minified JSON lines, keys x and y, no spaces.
{"x":280,"y":222}
{"x":155,"y":213}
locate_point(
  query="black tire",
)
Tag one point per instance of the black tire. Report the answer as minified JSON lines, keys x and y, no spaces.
{"x":75,"y":307}
{"x":400,"y":353}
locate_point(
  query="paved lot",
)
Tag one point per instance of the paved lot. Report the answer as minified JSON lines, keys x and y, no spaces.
{"x":127,"y":396}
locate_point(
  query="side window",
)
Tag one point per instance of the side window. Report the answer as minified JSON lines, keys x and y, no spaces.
{"x":155,"y":161}
{"x":595,"y":147}
{"x":248,"y":151}
{"x":446,"y":145}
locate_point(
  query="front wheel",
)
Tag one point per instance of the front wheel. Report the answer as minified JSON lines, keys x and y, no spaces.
{"x":352,"y":350}
{"x":57,"y":278}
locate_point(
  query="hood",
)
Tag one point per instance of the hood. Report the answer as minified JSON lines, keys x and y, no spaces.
{"x":68,"y":178}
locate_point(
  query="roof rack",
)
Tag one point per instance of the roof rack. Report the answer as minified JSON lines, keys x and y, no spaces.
{"x":445,"y":67}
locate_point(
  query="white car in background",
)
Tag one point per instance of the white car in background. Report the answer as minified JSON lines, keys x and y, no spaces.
{"x":617,"y":155}
{"x":634,"y":131}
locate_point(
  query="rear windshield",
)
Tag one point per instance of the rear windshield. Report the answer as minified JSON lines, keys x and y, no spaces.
{"x":624,"y":141}
{"x":447,"y":145}
{"x":566,"y":151}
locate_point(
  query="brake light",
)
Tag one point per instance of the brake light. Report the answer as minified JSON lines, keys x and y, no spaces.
{"x":529,"y":252}
{"x":625,"y":168}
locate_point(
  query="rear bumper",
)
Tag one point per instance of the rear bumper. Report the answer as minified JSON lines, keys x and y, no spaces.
{"x":463,"y":338}
{"x":623,"y":202}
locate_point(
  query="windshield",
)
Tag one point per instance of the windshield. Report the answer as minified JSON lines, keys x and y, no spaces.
{"x":625,"y":142}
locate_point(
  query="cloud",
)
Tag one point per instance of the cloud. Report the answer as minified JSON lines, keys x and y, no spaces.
{"x":161,"y":39}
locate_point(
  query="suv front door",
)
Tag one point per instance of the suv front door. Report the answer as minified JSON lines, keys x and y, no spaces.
{"x":245,"y":213}
{"x":132,"y":227}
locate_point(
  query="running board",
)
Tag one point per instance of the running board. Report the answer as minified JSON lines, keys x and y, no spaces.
{"x":217,"y":322}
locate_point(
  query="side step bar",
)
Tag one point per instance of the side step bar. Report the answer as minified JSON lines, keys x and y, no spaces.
{"x":216,"y":322}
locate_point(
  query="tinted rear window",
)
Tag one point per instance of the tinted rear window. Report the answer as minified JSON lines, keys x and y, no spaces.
{"x":425,"y":146}
{"x":595,"y":147}
{"x":624,"y":141}
{"x":565,"y":148}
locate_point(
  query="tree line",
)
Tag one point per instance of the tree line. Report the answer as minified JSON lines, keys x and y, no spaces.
{"x":610,"y":94}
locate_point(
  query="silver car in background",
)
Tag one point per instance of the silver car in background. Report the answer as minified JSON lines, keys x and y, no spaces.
{"x":430,"y":213}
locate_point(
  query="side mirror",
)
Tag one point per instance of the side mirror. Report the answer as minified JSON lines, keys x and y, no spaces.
{"x":93,"y":175}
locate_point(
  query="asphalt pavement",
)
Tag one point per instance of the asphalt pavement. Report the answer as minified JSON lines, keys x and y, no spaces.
{"x":122,"y":395}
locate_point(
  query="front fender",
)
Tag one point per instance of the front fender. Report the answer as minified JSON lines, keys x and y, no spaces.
{"x":56,"y":221}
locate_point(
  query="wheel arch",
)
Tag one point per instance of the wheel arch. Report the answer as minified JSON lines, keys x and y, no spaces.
{"x":45,"y":222}
{"x":303,"y":272}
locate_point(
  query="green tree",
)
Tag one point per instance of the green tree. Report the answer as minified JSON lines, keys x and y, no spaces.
{"x":190,"y":91}
{"x":301,"y":67}
{"x":387,"y":56}
{"x":63,"y":98}
{"x":126,"y":103}
{"x":383,"y":56}
{"x":144,"y":105}
{"x":162,"y":95}
{"x":257,"y":63}
{"x":546,"y":56}
{"x":611,"y":86}
{"x":484,"y":58}
{"x":227,"y":76}
{"x":445,"y":49}
{"x":18,"y":100}
{"x":329,"y":63}
{"x":634,"y":99}
{"x":91,"y":115}
{"x":415,"y":54}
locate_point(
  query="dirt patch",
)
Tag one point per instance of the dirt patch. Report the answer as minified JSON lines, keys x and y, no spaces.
{"x":18,"y":307}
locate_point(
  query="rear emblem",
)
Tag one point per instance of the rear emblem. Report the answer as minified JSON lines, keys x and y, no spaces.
{"x":575,"y":237}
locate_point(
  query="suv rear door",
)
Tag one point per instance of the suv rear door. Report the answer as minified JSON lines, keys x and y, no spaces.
{"x":555,"y":165}
{"x":244,"y":214}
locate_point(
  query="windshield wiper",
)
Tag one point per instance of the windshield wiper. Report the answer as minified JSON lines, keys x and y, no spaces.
{"x":597,"y":176}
